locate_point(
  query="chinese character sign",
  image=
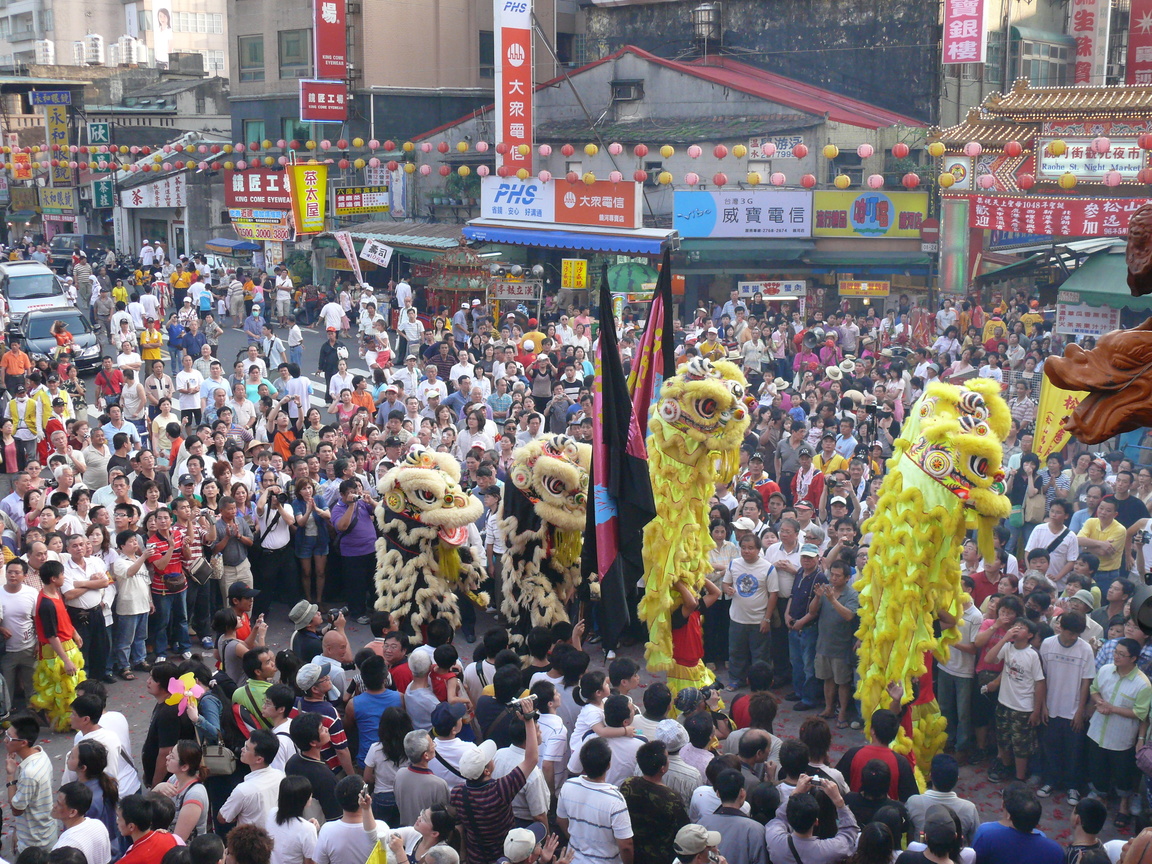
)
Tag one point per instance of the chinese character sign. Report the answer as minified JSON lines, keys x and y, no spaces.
{"x":964,"y":37}
{"x":513,"y":50}
{"x":869,"y":214}
{"x":1125,"y":157}
{"x":604,"y":203}
{"x":864,"y":289}
{"x":1088,"y":25}
{"x":255,"y":188}
{"x":56,"y":132}
{"x":1084,"y":320}
{"x":50,"y":97}
{"x":57,"y":200}
{"x":353,"y":200}
{"x":21,"y":166}
{"x":510,"y":198}
{"x":1139,"y":66}
{"x":309,"y":187}
{"x":323,"y":101}
{"x":99,"y":133}
{"x":1056,"y":405}
{"x":752,"y":213}
{"x":169,"y":192}
{"x":103,"y":194}
{"x":331,"y":41}
{"x":376,"y":252}
{"x":1062,"y":217}
{"x":771,"y":289}
{"x":574,"y":273}
{"x":783,"y":144}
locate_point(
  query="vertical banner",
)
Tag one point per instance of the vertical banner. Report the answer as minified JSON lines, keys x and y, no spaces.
{"x":330,"y":39}
{"x":344,"y":239}
{"x":56,"y":132}
{"x":513,"y":49}
{"x":1089,"y":25}
{"x":309,"y":188}
{"x":954,"y":245}
{"x":1056,"y":405}
{"x":1139,"y":67}
{"x":964,"y":38}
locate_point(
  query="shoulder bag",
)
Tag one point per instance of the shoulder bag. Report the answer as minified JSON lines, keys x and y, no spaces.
{"x":334,"y":546}
{"x":218,"y":760}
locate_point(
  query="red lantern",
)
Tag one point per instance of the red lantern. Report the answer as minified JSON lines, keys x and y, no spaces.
{"x":900,"y":150}
{"x":442,"y":146}
{"x":293,"y":144}
{"x":55,"y":163}
{"x":389,"y":145}
{"x":503,"y":171}
{"x":640,"y":150}
{"x":84,"y":149}
{"x":1013,"y":149}
{"x":572,"y":177}
{"x":800,"y":151}
{"x":342,"y":144}
{"x":215,"y":148}
{"x":501,"y":148}
{"x":567,"y":149}
{"x":215,"y":166}
{"x":910,"y":180}
{"x":719,"y":151}
{"x":445,"y":170}
{"x":393,"y":165}
{"x":1144,"y":142}
{"x":720,"y":178}
{"x":1145,"y":175}
{"x":1025,"y":181}
{"x":808,"y":180}
{"x":640,"y":176}
{"x":146,"y":151}
{"x":343,"y":163}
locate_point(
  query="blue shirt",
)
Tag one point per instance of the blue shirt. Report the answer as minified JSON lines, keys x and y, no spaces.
{"x":995,"y":843}
{"x":253,"y":328}
{"x":1078,"y":519}
{"x":368,"y":708}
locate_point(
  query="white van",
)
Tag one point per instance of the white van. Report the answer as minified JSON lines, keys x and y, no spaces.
{"x":29,"y":285}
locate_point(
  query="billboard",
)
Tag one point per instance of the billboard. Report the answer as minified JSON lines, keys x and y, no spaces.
{"x":323,"y":101}
{"x":309,"y":190}
{"x":330,"y":42}
{"x":873,"y":213}
{"x":753,"y":213}
{"x":512,"y":38}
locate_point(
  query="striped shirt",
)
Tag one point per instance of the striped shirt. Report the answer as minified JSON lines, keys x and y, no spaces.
{"x":597,"y":817}
{"x":485,"y":814}
{"x":1111,"y":731}
{"x":34,"y":796}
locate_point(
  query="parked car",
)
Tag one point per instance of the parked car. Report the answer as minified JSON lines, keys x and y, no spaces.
{"x":28,"y":286}
{"x":62,"y":247}
{"x":36,"y":331}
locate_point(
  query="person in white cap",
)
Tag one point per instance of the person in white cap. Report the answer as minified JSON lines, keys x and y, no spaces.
{"x":681,"y":777}
{"x":694,"y":844}
{"x":460,"y":329}
{"x":488,"y":802}
{"x":147,"y":254}
{"x":523,"y":844}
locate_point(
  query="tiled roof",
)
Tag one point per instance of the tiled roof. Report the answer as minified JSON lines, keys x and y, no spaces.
{"x":991,"y":132}
{"x":1075,"y":101}
{"x":678,"y":130}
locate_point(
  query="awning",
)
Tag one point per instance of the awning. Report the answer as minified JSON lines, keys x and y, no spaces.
{"x":416,"y":241}
{"x":23,"y":215}
{"x":224,"y":246}
{"x":639,"y":241}
{"x":1102,"y":280}
{"x":1016,"y":268}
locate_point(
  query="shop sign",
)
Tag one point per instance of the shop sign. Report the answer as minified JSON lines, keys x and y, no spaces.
{"x":1138,"y":69}
{"x":169,"y":192}
{"x":50,"y":97}
{"x":960,"y":167}
{"x":528,"y":289}
{"x":278,"y":229}
{"x":25,"y":198}
{"x":323,"y":101}
{"x":1064,"y":217}
{"x":1085,"y":163}
{"x":309,"y":187}
{"x":99,"y":133}
{"x":21,"y":166}
{"x":574,"y":273}
{"x":513,"y":80}
{"x":963,"y":37}
{"x":755,"y":214}
{"x":58,"y":200}
{"x":256,"y":187}
{"x":331,"y":40}
{"x":769,"y":289}
{"x":603,"y":204}
{"x":870,"y":214}
{"x":511,"y":199}
{"x":4,"y":196}
{"x":103,"y":194}
{"x":334,"y":263}
{"x":353,"y":200}
{"x":56,"y":133}
{"x":273,"y":252}
{"x":376,"y":252}
{"x":784,"y":145}
{"x":865,"y":289}
{"x":1088,"y":24}
{"x":1085,"y":320}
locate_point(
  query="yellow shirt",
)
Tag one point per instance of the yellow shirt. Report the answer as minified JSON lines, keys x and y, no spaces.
{"x":1114,"y":534}
{"x":1030,"y":320}
{"x":835,"y":462}
{"x":120,"y":294}
{"x":150,"y":342}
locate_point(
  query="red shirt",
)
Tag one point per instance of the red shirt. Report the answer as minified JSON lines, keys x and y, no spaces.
{"x":401,"y":676}
{"x":983,"y":589}
{"x":52,"y":619}
{"x":687,"y":638}
{"x":175,"y":565}
{"x":243,"y":626}
{"x":150,"y":848}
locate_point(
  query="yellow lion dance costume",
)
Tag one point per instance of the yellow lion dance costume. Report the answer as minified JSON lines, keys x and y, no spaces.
{"x":545,"y":509}
{"x":945,"y":477}
{"x":422,"y":555}
{"x":696,"y":429}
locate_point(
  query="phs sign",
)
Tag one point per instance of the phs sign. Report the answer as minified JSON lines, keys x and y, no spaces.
{"x":513,"y":78}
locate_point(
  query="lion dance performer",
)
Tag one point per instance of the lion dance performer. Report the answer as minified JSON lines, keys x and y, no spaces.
{"x":944,"y":478}
{"x":695,"y":433}
{"x":422,"y":557}
{"x":60,"y":666}
{"x":545,"y":510}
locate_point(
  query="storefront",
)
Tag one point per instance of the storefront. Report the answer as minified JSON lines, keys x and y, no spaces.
{"x":154,"y":211}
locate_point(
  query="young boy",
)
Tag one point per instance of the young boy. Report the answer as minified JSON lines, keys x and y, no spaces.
{"x":623,"y":675}
{"x":954,"y":685}
{"x":754,"y":587}
{"x":1021,"y":697}
{"x":1070,"y":666}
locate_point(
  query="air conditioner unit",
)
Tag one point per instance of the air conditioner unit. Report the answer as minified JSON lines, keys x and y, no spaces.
{"x":94,"y":50}
{"x":85,"y":193}
{"x":627,"y":92}
{"x":45,"y":52}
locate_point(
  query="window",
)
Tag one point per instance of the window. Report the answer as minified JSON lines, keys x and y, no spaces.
{"x":295,"y":130}
{"x":295,"y":53}
{"x":47,"y":20}
{"x":627,"y":91}
{"x":1044,"y":64}
{"x":144,"y":20}
{"x":214,"y":60}
{"x":253,"y":130}
{"x":848,"y":163}
{"x":251,"y":51}
{"x":994,"y":65}
{"x":487,"y":54}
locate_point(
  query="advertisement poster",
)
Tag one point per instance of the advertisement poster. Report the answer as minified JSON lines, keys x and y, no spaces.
{"x":854,"y":288}
{"x":323,"y":101}
{"x":356,"y":200}
{"x":1138,"y":70}
{"x":256,"y":188}
{"x":161,"y":32}
{"x":869,"y":214}
{"x":169,"y":192}
{"x":513,"y":79}
{"x":1064,"y":217}
{"x":330,"y":39}
{"x":1084,"y":320}
{"x":747,"y":213}
{"x":1125,"y":156}
{"x":964,"y":37}
{"x":309,"y":188}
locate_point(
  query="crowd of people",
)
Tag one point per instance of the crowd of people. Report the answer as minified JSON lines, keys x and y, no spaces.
{"x":150,"y":542}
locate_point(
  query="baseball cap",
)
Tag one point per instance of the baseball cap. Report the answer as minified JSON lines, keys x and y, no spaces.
{"x":839,"y":499}
{"x":693,"y":839}
{"x":522,"y":842}
{"x":330,"y":329}
{"x":310,"y":674}
{"x":445,"y":716}
{"x":58,"y":401}
{"x":809,"y":550}
{"x":673,"y":734}
{"x":241,"y":591}
{"x":475,"y":302}
{"x":475,"y":760}
{"x":939,"y":826}
{"x":805,"y":503}
{"x":393,"y":441}
{"x":391,"y":388}
{"x":464,"y":305}
{"x":744,"y":524}
{"x":804,"y":450}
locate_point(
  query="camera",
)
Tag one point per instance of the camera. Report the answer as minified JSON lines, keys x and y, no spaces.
{"x":1142,"y":536}
{"x":282,"y":497}
{"x":871,"y":409}
{"x":516,"y":707}
{"x":332,"y":614}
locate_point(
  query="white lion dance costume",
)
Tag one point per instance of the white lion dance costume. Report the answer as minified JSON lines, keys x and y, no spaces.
{"x":545,"y":508}
{"x":422,"y":556}
{"x":696,"y":429}
{"x":944,"y":478}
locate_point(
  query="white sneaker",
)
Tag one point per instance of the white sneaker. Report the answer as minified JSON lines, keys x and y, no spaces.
{"x":187,"y":655}
{"x":1044,"y":791}
{"x":611,"y":655}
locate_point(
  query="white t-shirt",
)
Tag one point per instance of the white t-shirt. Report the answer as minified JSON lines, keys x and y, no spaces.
{"x":293,"y":842}
{"x":1068,"y":549}
{"x":332,"y":313}
{"x":250,"y":802}
{"x":754,"y":583}
{"x":597,"y":817}
{"x":553,"y":738}
{"x":287,"y":748}
{"x":189,"y":401}
{"x":1022,"y":669}
{"x":775,"y":553}
{"x":1066,"y":668}
{"x":89,"y":836}
{"x":16,"y":611}
{"x":960,"y":664}
{"x":343,"y":842}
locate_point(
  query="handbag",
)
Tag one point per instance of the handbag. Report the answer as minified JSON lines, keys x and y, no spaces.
{"x":218,"y":760}
{"x":1034,"y":508}
{"x":200,"y":572}
{"x":175,"y":582}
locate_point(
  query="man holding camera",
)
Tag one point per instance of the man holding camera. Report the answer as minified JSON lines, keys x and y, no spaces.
{"x":274,"y":559}
{"x":199,"y":530}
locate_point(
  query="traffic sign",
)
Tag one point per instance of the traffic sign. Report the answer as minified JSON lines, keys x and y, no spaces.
{"x":930,"y":235}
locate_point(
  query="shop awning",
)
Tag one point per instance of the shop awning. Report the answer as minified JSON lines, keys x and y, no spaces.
{"x":417,"y":241}
{"x":1016,"y":268}
{"x":640,"y":241}
{"x":224,"y":246}
{"x":1102,"y":280}
{"x":23,"y":215}
{"x":867,"y":259}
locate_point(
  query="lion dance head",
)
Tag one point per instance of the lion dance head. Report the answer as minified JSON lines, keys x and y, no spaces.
{"x":705,"y":402}
{"x":552,"y":473}
{"x":425,"y":488}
